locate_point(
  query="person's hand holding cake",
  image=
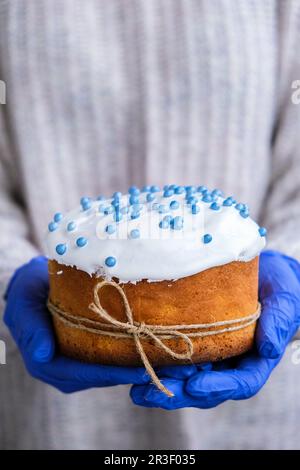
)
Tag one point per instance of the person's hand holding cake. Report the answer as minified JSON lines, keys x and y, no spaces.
{"x":162,"y":279}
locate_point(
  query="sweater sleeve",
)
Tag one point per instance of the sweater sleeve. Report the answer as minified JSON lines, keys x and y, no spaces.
{"x":281,"y":211}
{"x":15,"y":245}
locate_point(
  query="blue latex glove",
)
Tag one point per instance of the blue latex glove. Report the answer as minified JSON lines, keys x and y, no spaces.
{"x":243,"y":377}
{"x":29,"y":322}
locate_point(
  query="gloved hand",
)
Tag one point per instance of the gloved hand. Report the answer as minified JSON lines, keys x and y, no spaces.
{"x":29,"y":322}
{"x":243,"y":377}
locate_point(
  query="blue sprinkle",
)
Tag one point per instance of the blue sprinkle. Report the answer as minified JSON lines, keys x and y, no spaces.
{"x":239,"y":206}
{"x":110,"y":229}
{"x":179,"y":190}
{"x":164,"y":224}
{"x":134,"y":191}
{"x":195,"y":209}
{"x":101,"y":198}
{"x":174,"y":205}
{"x":135,"y":215}
{"x":71,"y":226}
{"x":81,"y":242}
{"x":154,"y":189}
{"x":262,"y":231}
{"x":214,"y":206}
{"x":207,"y":198}
{"x":217,"y":192}
{"x":162,"y":209}
{"x":61,"y":248}
{"x":191,"y":200}
{"x":57,"y":217}
{"x":133,"y":199}
{"x":146,"y":189}
{"x":244,"y":213}
{"x":173,"y":186}
{"x":86,"y":206}
{"x":150,"y":197}
{"x":135,"y":233}
{"x":168,"y":192}
{"x":177,"y":223}
{"x":202,"y":189}
{"x":168,"y":218}
{"x":124,"y":210}
{"x":118,"y":216}
{"x":228,"y":202}
{"x":85,"y":200}
{"x":110,"y":261}
{"x":117,"y":195}
{"x":108,"y":210}
{"x":207,"y":238}
{"x":52,"y":226}
{"x":190,"y":189}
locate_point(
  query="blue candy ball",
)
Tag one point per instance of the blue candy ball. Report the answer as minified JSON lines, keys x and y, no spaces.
{"x":164,"y":224}
{"x":177,"y":223}
{"x":81,"y":242}
{"x":207,"y":238}
{"x":52,"y":226}
{"x":174,"y":205}
{"x":214,"y":206}
{"x":201,"y":189}
{"x":134,"y":191}
{"x":168,"y":192}
{"x":154,"y":189}
{"x":110,"y":261}
{"x":61,"y":248}
{"x":262,"y":231}
{"x":239,"y":206}
{"x":244,"y":213}
{"x":207,"y":198}
{"x":195,"y":209}
{"x":135,"y":233}
{"x":85,"y":200}
{"x":179,"y":190}
{"x":146,"y":189}
{"x":133,"y":199}
{"x":110,"y":229}
{"x":57,"y":217}
{"x":150,"y":197}
{"x":71,"y":226}
{"x":87,"y":205}
{"x":228,"y":202}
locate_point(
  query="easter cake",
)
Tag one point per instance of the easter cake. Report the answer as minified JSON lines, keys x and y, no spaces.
{"x":165,"y":276}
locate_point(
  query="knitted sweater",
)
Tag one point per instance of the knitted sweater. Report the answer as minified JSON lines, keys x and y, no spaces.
{"x":104,"y":94}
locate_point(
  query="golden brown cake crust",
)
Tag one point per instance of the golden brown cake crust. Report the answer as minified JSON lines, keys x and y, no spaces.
{"x":220,"y":293}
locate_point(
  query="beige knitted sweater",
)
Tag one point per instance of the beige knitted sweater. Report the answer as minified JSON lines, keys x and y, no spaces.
{"x":102,"y":94}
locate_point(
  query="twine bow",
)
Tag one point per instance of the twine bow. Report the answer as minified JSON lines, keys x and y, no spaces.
{"x":137,"y":331}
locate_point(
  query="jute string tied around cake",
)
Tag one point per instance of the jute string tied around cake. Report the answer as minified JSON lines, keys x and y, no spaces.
{"x":138,"y":331}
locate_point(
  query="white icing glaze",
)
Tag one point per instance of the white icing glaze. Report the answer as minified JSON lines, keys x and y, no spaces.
{"x":159,"y":254}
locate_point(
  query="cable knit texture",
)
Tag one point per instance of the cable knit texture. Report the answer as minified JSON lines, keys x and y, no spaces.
{"x":104,"y":94}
